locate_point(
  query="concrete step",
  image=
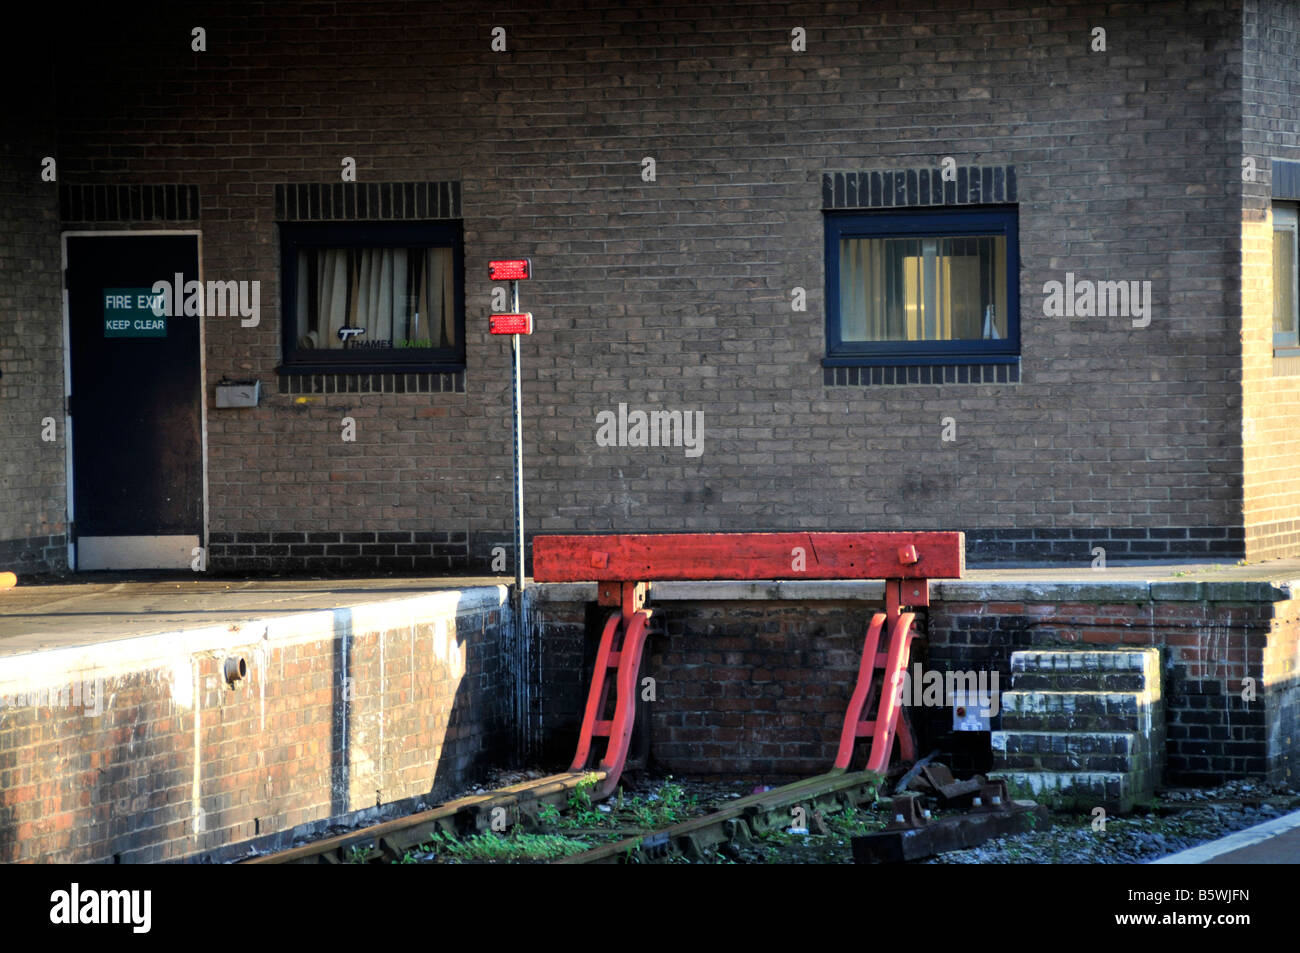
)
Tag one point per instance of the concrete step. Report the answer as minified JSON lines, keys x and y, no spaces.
{"x":1114,"y":791}
{"x":1072,"y":681}
{"x":1083,"y":726}
{"x":1077,"y":711}
{"x":1114,"y":752}
{"x":1119,"y":670}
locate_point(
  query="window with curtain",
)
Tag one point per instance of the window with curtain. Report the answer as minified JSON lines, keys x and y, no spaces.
{"x":924,"y":285}
{"x":373,"y":295}
{"x":1286,"y":278}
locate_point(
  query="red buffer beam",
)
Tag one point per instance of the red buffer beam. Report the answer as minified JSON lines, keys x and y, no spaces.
{"x":705,"y":556}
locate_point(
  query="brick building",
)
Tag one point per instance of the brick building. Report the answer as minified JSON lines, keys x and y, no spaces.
{"x":1022,"y":270}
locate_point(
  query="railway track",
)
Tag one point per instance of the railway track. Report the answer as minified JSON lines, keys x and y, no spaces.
{"x":1283,"y":804}
{"x":738,"y":822}
{"x":535,"y":806}
{"x":479,"y":813}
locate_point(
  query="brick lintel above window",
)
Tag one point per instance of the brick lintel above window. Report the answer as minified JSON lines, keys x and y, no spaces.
{"x":367,"y":201}
{"x":911,"y":188}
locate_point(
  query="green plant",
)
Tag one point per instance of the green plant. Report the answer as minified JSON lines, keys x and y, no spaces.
{"x":581,"y":812}
{"x":358,"y":855}
{"x":580,"y":796}
{"x":504,"y":847}
{"x":668,"y":804}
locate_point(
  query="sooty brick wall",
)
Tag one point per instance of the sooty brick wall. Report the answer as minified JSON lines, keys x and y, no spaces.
{"x":1219,"y":725}
{"x":760,"y":688}
{"x":752,"y":691}
{"x":676,"y":293}
{"x":566,"y":631}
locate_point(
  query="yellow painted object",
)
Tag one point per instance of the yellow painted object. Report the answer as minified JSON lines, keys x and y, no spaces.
{"x":8,"y":580}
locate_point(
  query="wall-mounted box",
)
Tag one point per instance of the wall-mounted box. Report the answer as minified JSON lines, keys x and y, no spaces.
{"x":238,"y":393}
{"x":972,"y":711}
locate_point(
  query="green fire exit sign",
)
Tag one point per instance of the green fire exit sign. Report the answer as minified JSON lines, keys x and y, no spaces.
{"x":134,"y":313}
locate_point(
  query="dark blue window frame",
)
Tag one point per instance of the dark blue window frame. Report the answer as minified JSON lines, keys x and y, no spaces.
{"x":297,"y":236}
{"x":921,"y":223}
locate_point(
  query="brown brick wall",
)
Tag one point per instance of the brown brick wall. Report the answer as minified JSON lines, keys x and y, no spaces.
{"x":675,"y":294}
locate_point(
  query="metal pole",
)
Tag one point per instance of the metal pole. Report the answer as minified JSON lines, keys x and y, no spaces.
{"x":519,"y":455}
{"x":522,"y":694}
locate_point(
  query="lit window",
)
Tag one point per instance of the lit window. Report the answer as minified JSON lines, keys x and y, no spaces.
{"x":1286,"y":278}
{"x":934,"y":286}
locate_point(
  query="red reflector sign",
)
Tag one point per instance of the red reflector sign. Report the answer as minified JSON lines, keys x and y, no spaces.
{"x":515,"y":269}
{"x":511,"y":323}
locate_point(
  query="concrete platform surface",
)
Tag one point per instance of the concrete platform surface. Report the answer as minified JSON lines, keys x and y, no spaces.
{"x":108,"y":606}
{"x":33,"y":618}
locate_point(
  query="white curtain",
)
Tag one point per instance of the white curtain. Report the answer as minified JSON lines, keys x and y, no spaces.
{"x":1284,"y":276}
{"x":436,"y":314}
{"x":322,"y":309}
{"x":404,"y":297}
{"x":880,"y":283}
{"x":922,"y":289}
{"x":379,"y":279}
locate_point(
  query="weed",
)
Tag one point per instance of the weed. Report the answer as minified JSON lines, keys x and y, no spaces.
{"x":669,"y":804}
{"x":549,"y":814}
{"x":500,"y":847}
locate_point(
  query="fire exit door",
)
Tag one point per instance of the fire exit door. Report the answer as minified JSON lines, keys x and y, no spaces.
{"x":136,"y":404}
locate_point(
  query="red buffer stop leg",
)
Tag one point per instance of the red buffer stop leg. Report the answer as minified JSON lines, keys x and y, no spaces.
{"x":880,"y":678}
{"x":618,"y":661}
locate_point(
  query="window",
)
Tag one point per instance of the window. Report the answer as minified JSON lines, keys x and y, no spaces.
{"x":372,"y":297}
{"x":1286,"y":280}
{"x":922,"y":287}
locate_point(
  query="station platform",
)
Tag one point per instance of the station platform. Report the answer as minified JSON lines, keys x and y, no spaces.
{"x":1273,"y":842}
{"x":124,"y":736}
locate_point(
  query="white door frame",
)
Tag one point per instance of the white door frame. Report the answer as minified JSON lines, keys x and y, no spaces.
{"x":67,"y":372}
